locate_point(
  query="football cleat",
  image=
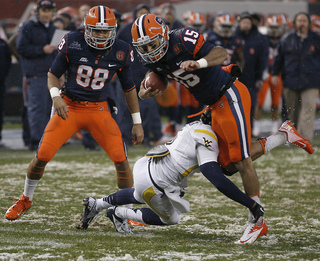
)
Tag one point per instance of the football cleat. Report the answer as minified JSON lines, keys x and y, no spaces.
{"x":18,"y":208}
{"x":89,"y":212}
{"x":120,"y":224}
{"x":294,"y":137}
{"x":135,"y":223}
{"x":252,"y":233}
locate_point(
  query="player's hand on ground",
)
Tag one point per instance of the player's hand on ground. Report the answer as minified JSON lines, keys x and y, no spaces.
{"x":148,"y":93}
{"x":190,"y":65}
{"x":60,"y":107}
{"x":137,"y":134}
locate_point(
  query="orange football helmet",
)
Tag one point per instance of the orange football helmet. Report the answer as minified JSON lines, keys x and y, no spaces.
{"x":197,"y":21}
{"x":315,"y":23}
{"x":100,"y":18}
{"x":275,"y":25}
{"x":146,"y":29}
{"x":226,"y":25}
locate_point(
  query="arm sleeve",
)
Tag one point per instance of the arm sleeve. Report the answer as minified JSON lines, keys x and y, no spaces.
{"x":212,"y":171}
{"x":59,"y":65}
{"x":126,"y":79}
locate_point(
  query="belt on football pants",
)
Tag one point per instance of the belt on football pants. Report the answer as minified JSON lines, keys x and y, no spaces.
{"x":111,"y":102}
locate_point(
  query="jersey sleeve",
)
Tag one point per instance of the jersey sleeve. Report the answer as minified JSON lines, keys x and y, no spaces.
{"x":125,"y":73}
{"x":192,"y":40}
{"x":60,"y":63}
{"x":207,"y":145}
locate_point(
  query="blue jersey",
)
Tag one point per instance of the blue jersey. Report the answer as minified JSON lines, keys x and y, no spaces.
{"x":233,"y":45}
{"x":188,"y":44}
{"x":88,"y":70}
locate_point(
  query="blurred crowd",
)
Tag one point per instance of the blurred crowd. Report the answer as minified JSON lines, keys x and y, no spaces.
{"x":259,"y":45}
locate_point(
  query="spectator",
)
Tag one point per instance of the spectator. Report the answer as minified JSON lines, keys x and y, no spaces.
{"x":256,"y":19}
{"x":36,"y":56}
{"x":5,"y":64}
{"x":149,"y":109}
{"x":298,"y":60}
{"x":255,"y":52}
{"x":59,"y":23}
{"x":168,"y":12}
{"x":82,"y":11}
{"x":70,"y":16}
{"x":24,"y":110}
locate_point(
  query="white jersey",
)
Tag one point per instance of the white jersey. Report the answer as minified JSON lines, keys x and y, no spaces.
{"x":194,"y":145}
{"x":158,"y":178}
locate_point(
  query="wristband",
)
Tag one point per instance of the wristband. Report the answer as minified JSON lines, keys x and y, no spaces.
{"x":54,"y":92}
{"x":203,"y":63}
{"x":136,"y":118}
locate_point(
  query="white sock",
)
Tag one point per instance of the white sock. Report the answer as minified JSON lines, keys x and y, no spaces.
{"x":275,"y":140}
{"x":256,"y":128}
{"x":128,"y":213}
{"x":29,"y":187}
{"x":274,"y":127}
{"x":102,"y":204}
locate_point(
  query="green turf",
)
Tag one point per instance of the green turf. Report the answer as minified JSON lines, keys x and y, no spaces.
{"x":289,"y":179}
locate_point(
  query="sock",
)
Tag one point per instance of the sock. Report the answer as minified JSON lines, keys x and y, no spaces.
{"x":102,"y":204}
{"x":256,"y":198}
{"x":29,"y":187}
{"x":274,"y":141}
{"x":256,"y":128}
{"x":143,"y":215}
{"x":119,"y":198}
{"x":274,"y":127}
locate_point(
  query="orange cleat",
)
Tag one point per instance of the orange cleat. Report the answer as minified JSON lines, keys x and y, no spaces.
{"x":252,"y":233}
{"x":18,"y":208}
{"x":294,"y":137}
{"x":135,"y":223}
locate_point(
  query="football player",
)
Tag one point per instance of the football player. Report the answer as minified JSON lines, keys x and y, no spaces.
{"x":275,"y":29}
{"x":90,"y":58}
{"x":161,"y":177}
{"x":224,"y":35}
{"x":197,"y":21}
{"x":184,"y":56}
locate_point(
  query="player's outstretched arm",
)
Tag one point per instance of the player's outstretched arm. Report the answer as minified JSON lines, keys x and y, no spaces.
{"x":58,"y":103}
{"x":215,"y":57}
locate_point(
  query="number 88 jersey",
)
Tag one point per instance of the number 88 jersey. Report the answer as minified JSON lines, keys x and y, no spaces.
{"x":88,"y":70}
